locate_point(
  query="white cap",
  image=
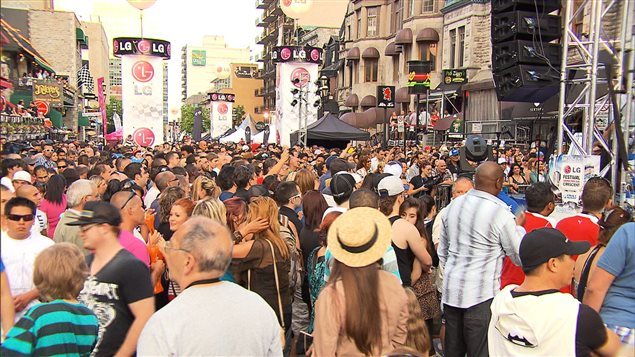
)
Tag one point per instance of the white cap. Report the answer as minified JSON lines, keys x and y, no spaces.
{"x":501,"y":160}
{"x":393,"y":169}
{"x":22,"y":176}
{"x":390,"y":186}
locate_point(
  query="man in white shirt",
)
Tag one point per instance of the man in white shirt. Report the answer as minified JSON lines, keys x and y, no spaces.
{"x":9,"y":168}
{"x":19,"y":248}
{"x":219,"y":316}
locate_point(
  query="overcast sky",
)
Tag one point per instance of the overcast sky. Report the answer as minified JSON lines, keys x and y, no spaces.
{"x":177,"y":21}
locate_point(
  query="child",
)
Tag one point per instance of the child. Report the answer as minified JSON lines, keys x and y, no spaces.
{"x":60,"y":325}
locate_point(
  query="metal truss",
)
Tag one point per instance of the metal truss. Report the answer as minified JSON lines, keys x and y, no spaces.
{"x":579,"y":88}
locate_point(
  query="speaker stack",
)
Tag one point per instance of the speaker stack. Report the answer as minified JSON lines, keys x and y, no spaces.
{"x":525,"y":62}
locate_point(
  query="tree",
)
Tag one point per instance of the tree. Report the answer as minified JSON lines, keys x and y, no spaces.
{"x":238,"y":114}
{"x":113,"y":106}
{"x":186,"y":123}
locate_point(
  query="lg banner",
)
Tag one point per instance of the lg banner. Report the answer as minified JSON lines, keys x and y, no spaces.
{"x":293,"y":108}
{"x":220,"y":113}
{"x":142,"y":98}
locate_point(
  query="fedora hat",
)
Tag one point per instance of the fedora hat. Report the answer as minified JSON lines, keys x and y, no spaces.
{"x":359,"y":237}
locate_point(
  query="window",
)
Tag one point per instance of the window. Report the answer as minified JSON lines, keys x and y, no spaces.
{"x":452,"y":48}
{"x":427,"y":6}
{"x":370,"y":67}
{"x":395,"y":68}
{"x":348,"y":33}
{"x":461,"y":45}
{"x":359,"y":24}
{"x":428,"y":52}
{"x":397,"y":18}
{"x":373,"y":22}
{"x":411,"y":8}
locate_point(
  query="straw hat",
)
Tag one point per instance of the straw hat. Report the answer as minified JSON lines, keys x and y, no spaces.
{"x":359,"y":237}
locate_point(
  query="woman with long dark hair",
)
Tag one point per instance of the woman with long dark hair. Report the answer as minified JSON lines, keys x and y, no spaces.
{"x":54,"y":202}
{"x":313,"y":206}
{"x":362,"y":310}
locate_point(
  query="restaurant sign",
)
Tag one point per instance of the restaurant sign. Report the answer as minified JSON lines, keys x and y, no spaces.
{"x":47,"y":91}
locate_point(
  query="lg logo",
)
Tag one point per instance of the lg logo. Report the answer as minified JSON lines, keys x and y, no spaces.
{"x":142,"y":71}
{"x":143,"y":137}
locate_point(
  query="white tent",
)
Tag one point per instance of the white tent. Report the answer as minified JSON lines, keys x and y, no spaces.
{"x":239,"y":134}
{"x":259,"y":138}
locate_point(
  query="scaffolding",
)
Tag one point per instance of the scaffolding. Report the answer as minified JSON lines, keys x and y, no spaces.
{"x":610,"y":34}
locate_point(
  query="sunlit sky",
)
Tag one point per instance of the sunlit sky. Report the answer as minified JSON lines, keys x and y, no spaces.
{"x":177,"y":21}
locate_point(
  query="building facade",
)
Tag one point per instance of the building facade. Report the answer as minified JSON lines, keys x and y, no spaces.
{"x":98,"y":53}
{"x":114,"y":75}
{"x":204,"y":62}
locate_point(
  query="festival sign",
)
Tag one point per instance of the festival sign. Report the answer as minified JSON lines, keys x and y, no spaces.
{"x":47,"y":91}
{"x":124,"y":46}
{"x":142,"y":99}
{"x":569,"y":173}
{"x":386,"y":96}
{"x":220,"y":112}
{"x":296,"y":54}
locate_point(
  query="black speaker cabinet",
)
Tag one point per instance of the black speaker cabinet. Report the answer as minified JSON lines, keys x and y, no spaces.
{"x":543,"y":6}
{"x":526,"y":83}
{"x":512,"y":53}
{"x":523,"y":25}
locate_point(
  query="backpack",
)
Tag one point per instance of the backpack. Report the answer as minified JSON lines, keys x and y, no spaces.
{"x":296,"y":268}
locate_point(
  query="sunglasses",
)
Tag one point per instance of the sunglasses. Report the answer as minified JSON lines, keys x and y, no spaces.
{"x":18,"y":217}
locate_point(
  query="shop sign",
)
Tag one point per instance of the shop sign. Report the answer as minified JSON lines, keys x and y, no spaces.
{"x":47,"y":91}
{"x":454,"y":76}
{"x":199,"y":57}
{"x":419,"y":76}
{"x":221,"y":97}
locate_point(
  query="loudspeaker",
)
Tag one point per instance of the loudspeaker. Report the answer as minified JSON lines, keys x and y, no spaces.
{"x":512,"y":53}
{"x":543,"y":6}
{"x":526,"y":83}
{"x":523,"y":25}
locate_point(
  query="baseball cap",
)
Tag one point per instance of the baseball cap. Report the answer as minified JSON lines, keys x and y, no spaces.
{"x":540,"y":245}
{"x":394,"y":168}
{"x":342,"y":184}
{"x":22,"y":176}
{"x":501,"y":160}
{"x":390,"y":186}
{"x":28,"y":160}
{"x":98,"y":212}
{"x":454,"y":152}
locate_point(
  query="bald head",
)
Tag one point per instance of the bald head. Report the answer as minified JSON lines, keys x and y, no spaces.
{"x":208,"y":241}
{"x":163,"y":179}
{"x":489,"y":178}
{"x":29,"y":192}
{"x":461,"y":186}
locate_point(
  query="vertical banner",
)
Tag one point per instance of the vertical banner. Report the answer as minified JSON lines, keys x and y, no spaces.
{"x":198,"y":123}
{"x":296,"y":72}
{"x":102,"y":104}
{"x":142,"y":99}
{"x":220,"y":113}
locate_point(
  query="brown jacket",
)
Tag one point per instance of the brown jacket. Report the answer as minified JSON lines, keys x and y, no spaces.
{"x":330,"y":313}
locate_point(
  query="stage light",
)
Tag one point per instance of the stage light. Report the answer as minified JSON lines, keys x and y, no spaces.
{"x":294,"y":103}
{"x":295,"y":91}
{"x":295,"y":80}
{"x":317,"y":103}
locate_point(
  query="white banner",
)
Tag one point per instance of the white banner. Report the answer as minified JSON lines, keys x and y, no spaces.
{"x":290,"y":118}
{"x":569,"y":173}
{"x":221,"y":117}
{"x":142,"y":98}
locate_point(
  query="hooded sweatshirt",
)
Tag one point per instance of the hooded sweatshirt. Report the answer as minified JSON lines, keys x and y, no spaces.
{"x":533,"y":325}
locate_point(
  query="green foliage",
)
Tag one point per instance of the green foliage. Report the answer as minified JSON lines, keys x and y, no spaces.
{"x":113,"y":106}
{"x":186,"y":123}
{"x":238,"y":114}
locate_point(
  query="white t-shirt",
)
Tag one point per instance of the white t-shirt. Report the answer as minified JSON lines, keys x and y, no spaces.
{"x":222,"y":319}
{"x":41,"y":222}
{"x":151,"y":195}
{"x":18,"y":256}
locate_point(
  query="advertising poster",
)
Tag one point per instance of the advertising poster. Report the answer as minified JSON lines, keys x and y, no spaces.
{"x":290,"y":117}
{"x":569,"y":173}
{"x":142,"y":98}
{"x":221,"y":105}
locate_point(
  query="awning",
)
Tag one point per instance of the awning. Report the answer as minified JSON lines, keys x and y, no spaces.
{"x":16,"y":39}
{"x":353,"y":54}
{"x":370,"y":52}
{"x":428,"y":35}
{"x":444,"y":123}
{"x":402,"y":95}
{"x":390,"y":50}
{"x":352,"y":101}
{"x":482,"y":80}
{"x":21,"y":94}
{"x":81,"y":38}
{"x":404,"y":37}
{"x":437,"y":94}
{"x":332,"y":69}
{"x":82,"y":120}
{"x":369,"y":101}
{"x":4,"y":83}
{"x":56,"y":118}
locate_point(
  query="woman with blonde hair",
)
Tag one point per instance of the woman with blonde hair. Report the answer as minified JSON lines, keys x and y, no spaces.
{"x":418,"y":335}
{"x":211,"y":207}
{"x":307,"y":180}
{"x":203,"y":188}
{"x":255,"y":260}
{"x":60,"y":323}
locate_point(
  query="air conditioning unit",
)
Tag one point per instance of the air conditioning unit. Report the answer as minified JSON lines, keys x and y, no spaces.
{"x":399,"y":48}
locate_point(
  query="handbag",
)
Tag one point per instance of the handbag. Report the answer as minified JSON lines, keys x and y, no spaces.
{"x":275,"y":273}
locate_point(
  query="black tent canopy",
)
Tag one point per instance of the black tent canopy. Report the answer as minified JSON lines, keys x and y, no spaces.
{"x":331,"y":128}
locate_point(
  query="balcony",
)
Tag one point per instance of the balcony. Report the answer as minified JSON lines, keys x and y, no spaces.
{"x":260,"y":22}
{"x":269,"y":15}
{"x":259,"y":92}
{"x":262,"y":4}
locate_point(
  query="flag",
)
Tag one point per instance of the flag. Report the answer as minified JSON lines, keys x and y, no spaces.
{"x":84,"y":78}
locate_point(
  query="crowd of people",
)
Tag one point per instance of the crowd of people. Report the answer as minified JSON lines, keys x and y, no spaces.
{"x":201,"y":248}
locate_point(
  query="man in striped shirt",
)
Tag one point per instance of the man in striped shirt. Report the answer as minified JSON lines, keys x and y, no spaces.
{"x":477,"y":232}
